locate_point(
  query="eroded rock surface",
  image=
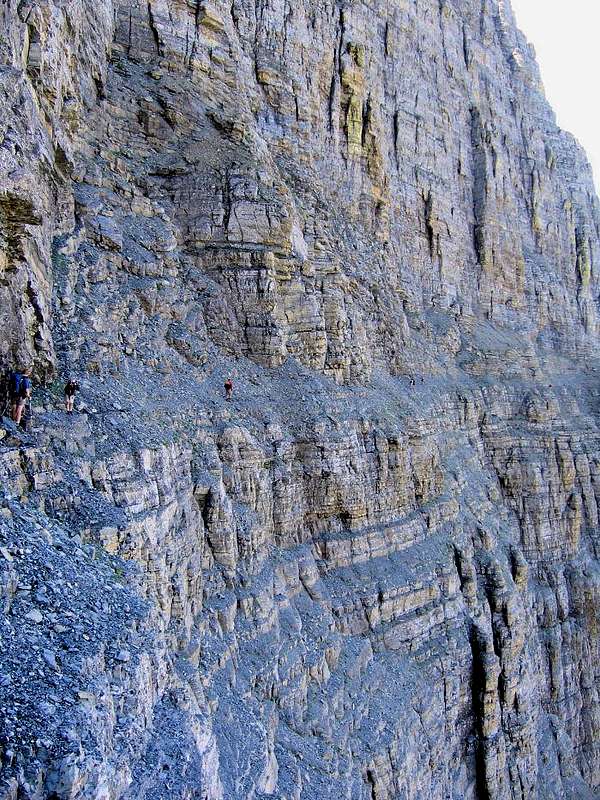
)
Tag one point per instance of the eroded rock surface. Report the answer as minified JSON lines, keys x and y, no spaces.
{"x":374,"y":573}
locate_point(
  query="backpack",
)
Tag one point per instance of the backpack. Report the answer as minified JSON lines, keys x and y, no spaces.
{"x":15,"y":381}
{"x":19,"y":385}
{"x":25,"y":387}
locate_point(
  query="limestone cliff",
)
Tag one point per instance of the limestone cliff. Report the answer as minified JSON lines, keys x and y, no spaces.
{"x":373,"y":574}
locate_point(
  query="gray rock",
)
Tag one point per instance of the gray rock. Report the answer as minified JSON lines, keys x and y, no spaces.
{"x":373,"y":573}
{"x":123,"y":656}
{"x":50,"y":659}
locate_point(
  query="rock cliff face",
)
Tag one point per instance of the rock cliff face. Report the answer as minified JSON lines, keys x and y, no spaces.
{"x":374,"y":573}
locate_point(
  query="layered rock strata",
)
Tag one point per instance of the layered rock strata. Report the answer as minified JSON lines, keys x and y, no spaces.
{"x":374,"y":573}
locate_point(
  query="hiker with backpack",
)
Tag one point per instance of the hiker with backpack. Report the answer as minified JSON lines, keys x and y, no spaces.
{"x":228,"y":389}
{"x":20,"y":392}
{"x":71,"y":389}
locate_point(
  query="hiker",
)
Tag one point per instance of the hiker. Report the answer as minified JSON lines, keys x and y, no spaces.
{"x":228,"y":389}
{"x":20,"y":392}
{"x":71,"y":389}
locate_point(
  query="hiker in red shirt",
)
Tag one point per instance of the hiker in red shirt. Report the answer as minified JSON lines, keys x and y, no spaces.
{"x":228,"y":389}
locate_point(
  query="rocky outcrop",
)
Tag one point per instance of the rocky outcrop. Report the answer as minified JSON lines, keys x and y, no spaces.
{"x":374,"y":573}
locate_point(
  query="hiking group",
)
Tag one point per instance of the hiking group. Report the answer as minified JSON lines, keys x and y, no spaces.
{"x":17,"y":387}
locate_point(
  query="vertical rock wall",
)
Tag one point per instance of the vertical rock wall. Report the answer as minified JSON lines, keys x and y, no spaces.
{"x":373,"y":574}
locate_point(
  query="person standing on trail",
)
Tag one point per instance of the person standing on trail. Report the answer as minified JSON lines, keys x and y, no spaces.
{"x":20,"y":392}
{"x":71,"y":389}
{"x":228,"y":389}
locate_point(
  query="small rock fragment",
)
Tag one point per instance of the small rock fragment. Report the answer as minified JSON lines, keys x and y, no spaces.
{"x":4,"y":550}
{"x":123,"y":655}
{"x":50,"y":659}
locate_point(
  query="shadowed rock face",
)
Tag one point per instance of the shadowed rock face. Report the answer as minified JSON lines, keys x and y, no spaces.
{"x":373,"y":574}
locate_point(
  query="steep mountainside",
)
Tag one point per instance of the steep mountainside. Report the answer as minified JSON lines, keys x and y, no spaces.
{"x":373,"y":574}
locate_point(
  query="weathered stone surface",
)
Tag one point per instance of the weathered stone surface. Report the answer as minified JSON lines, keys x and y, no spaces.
{"x":373,"y":574}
